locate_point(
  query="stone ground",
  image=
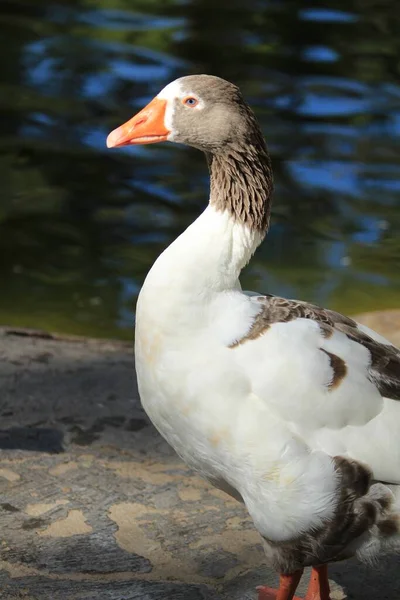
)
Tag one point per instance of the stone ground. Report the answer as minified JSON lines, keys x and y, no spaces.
{"x":95,"y":506}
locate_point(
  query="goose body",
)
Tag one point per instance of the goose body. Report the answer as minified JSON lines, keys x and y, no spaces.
{"x":290,"y":408}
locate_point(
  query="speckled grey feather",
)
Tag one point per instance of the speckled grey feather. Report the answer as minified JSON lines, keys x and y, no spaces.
{"x":228,"y":132}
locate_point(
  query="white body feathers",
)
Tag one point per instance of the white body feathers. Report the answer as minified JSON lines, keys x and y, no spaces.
{"x":257,"y":419}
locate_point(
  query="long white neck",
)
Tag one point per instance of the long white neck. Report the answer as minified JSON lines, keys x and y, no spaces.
{"x":207,"y":258}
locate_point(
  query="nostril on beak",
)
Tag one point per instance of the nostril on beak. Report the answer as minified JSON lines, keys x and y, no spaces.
{"x":141,"y":121}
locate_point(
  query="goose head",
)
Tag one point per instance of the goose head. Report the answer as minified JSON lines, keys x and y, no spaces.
{"x":210,"y":114}
{"x":202,"y":111}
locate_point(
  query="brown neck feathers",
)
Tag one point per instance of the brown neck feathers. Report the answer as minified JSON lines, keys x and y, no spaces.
{"x":241,"y":181}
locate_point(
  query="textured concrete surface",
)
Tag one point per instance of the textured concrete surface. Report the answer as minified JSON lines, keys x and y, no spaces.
{"x":93,"y":503}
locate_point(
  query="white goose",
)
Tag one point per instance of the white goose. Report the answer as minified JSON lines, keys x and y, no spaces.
{"x":288,"y":407}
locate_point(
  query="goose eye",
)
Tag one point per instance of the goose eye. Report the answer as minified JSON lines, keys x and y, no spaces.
{"x":190,"y":101}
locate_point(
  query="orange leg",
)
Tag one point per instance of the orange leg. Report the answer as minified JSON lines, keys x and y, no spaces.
{"x":317,"y":590}
{"x":319,"y":584}
{"x":287,"y":588}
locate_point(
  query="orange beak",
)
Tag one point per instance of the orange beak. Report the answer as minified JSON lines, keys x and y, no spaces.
{"x":147,"y":127}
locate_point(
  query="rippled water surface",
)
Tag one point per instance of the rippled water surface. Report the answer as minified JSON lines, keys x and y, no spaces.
{"x":81,"y":225}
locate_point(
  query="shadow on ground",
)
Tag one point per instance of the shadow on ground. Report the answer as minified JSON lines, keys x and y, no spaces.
{"x":33,"y":439}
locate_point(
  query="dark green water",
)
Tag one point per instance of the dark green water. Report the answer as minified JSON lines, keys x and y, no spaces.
{"x":81,"y":225}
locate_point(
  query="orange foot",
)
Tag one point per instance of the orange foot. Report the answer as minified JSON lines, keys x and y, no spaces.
{"x":287,"y":588}
{"x":317,"y":590}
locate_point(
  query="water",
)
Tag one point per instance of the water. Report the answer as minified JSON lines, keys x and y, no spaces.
{"x":81,"y":225}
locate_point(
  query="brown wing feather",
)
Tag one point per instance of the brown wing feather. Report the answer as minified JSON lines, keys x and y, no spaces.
{"x":363,"y":511}
{"x":384,"y":369}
